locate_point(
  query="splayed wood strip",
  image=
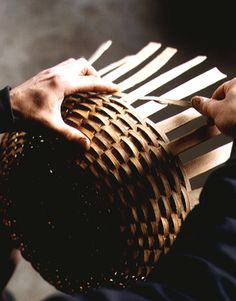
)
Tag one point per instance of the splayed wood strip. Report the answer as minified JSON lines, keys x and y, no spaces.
{"x":192,"y":139}
{"x":162,"y":79}
{"x":195,"y":84}
{"x":148,"y":69}
{"x":208,"y":161}
{"x":114,"y":65}
{"x":137,"y":59}
{"x":99,"y":52}
{"x":178,"y":120}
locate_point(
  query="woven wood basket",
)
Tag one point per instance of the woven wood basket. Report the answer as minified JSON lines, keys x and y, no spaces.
{"x":102,"y":218}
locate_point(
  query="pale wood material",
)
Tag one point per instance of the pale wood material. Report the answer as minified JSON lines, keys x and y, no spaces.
{"x":159,"y":100}
{"x":178,"y":120}
{"x":208,"y":161}
{"x":99,"y":52}
{"x":194,"y":197}
{"x":159,"y":61}
{"x":149,"y":108}
{"x":168,"y":101}
{"x":195,"y":84}
{"x":114,"y":65}
{"x":192,"y":139}
{"x":137,"y":59}
{"x":162,"y":79}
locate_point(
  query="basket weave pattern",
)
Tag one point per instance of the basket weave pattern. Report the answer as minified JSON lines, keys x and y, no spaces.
{"x":129,"y":163}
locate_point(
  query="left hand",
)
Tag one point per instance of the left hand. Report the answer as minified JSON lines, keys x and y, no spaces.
{"x":37,"y":102}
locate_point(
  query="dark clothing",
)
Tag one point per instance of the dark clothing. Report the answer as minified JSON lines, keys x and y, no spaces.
{"x":6,"y":116}
{"x":202,"y":262}
{"x":6,"y":123}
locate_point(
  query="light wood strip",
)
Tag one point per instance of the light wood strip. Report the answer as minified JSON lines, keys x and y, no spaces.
{"x":141,"y":56}
{"x":195,"y":84}
{"x":149,"y":108}
{"x":99,"y":52}
{"x":114,"y":65}
{"x":159,"y":61}
{"x":208,"y":161}
{"x":194,"y":197}
{"x":178,"y":120}
{"x":162,"y":79}
{"x":167,"y":101}
{"x":192,"y":139}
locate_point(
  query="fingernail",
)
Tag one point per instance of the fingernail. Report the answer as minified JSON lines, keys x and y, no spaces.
{"x":85,"y":143}
{"x":115,"y":87}
{"x":196,"y":100}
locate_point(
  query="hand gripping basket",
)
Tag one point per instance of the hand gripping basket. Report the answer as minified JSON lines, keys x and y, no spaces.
{"x":104,"y":218}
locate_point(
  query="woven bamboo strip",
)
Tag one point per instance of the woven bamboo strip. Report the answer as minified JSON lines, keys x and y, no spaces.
{"x":162,"y":79}
{"x":161,"y":100}
{"x":99,"y":52}
{"x":208,"y":161}
{"x":159,"y":61}
{"x":114,"y":65}
{"x":167,"y":101}
{"x":149,"y":108}
{"x":193,"y":138}
{"x":195,"y":84}
{"x":194,"y":197}
{"x":178,"y":120}
{"x":141,"y":56}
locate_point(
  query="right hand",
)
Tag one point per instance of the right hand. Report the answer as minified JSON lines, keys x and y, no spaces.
{"x":221,"y":107}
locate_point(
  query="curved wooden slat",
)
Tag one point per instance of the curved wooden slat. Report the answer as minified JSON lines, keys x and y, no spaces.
{"x":162,"y":79}
{"x":208,"y":161}
{"x":137,"y":59}
{"x":99,"y":52}
{"x":159,"y":61}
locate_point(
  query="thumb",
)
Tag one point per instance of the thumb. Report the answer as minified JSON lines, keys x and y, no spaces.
{"x":73,"y":135}
{"x":206,"y":106}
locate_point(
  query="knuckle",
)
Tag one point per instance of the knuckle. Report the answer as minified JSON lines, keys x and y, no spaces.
{"x":82,"y":59}
{"x":71,"y":60}
{"x":55,"y":80}
{"x":47,"y":72}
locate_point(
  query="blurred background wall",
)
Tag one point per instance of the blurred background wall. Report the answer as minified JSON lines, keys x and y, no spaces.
{"x":35,"y":35}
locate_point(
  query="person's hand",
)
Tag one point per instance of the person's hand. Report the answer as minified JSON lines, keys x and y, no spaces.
{"x":37,"y":102}
{"x":221,"y":107}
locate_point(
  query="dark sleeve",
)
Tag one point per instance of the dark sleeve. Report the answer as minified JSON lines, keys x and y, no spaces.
{"x":6,"y":116}
{"x":201,"y":265}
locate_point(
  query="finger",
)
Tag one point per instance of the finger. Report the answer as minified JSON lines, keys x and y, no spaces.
{"x":71,"y":134}
{"x":90,"y":84}
{"x":86,"y":68}
{"x":64,"y":64}
{"x":75,"y":67}
{"x":206,"y":106}
{"x":219,"y":93}
{"x":222,"y":90}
